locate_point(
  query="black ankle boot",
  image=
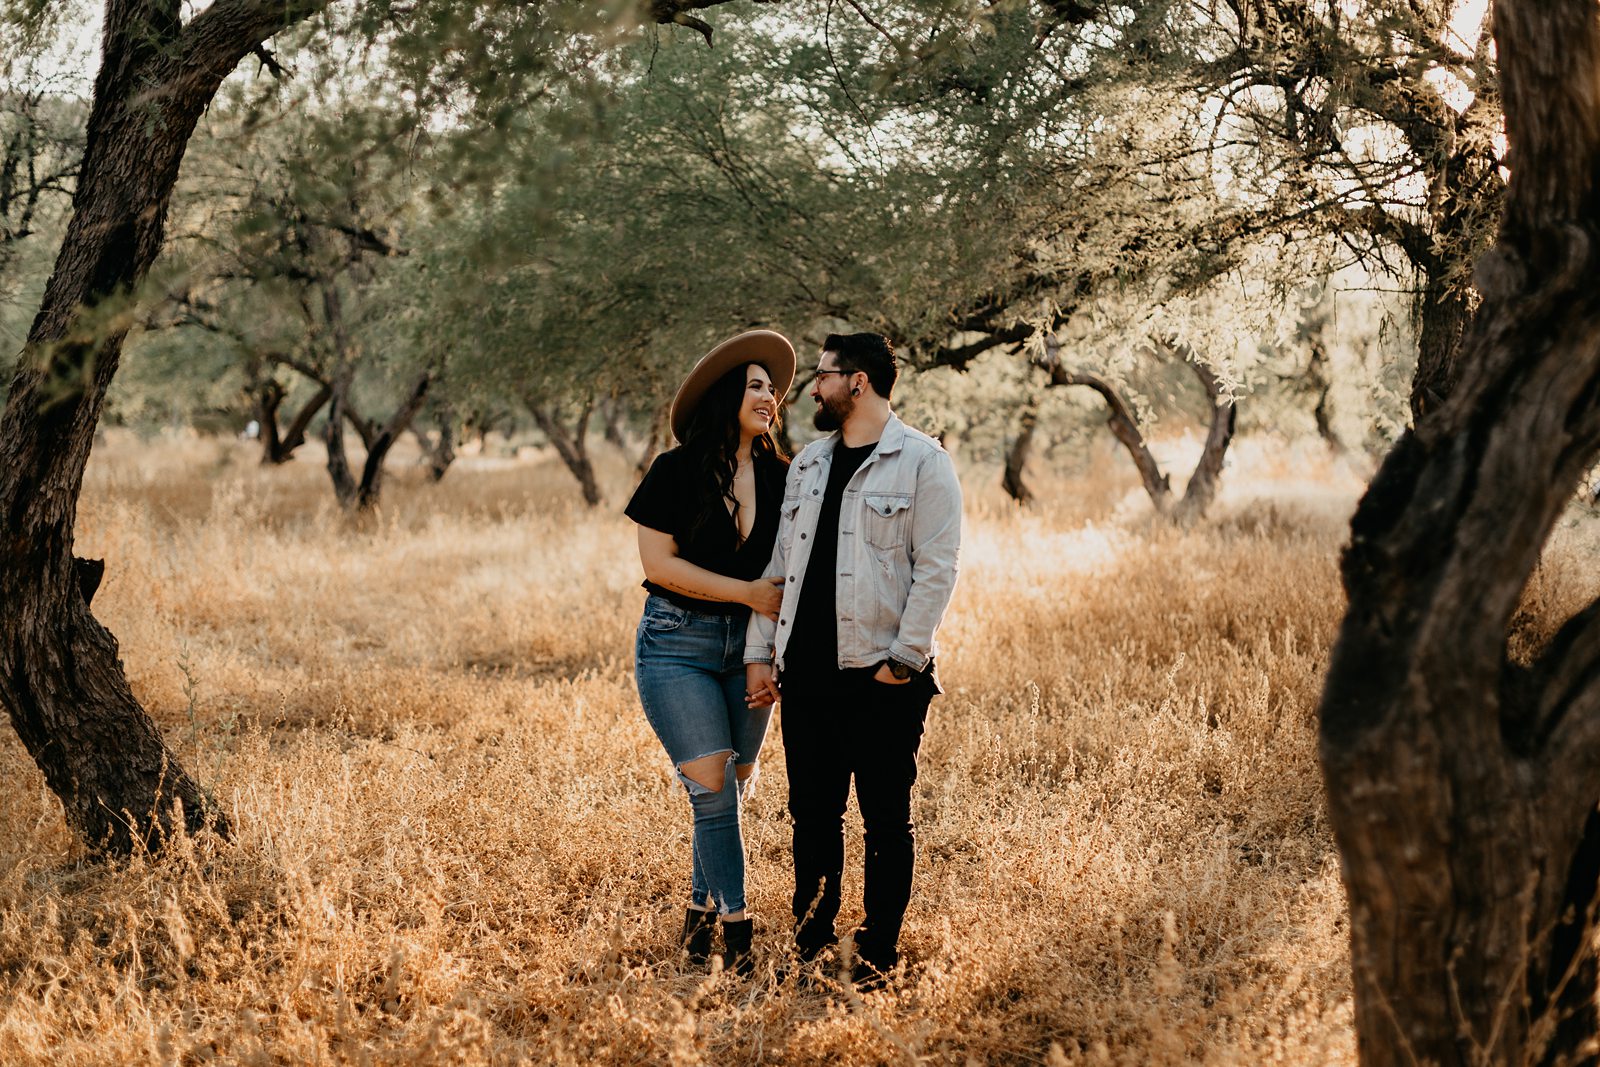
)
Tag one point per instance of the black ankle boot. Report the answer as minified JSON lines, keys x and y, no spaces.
{"x":736,"y":940}
{"x":696,"y":937}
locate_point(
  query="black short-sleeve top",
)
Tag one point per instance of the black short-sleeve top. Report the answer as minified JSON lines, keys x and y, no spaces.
{"x":669,"y":500}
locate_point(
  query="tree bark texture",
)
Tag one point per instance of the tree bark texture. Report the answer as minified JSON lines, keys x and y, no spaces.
{"x":61,"y":679}
{"x":1465,"y":195}
{"x":1462,"y":785}
{"x":1443,"y":312}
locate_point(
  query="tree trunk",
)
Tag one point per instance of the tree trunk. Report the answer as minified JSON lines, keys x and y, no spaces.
{"x":61,"y":679}
{"x":269,"y":397}
{"x":570,"y":446}
{"x":1321,"y":385}
{"x":1442,"y":320}
{"x":780,"y":432}
{"x":652,"y":445}
{"x":276,"y":449}
{"x":441,"y":453}
{"x":1125,"y":428}
{"x":345,"y":489}
{"x":295,"y":436}
{"x":1462,"y":786}
{"x":1465,"y":195}
{"x":613,"y":412}
{"x":1315,"y":317}
{"x":364,"y":428}
{"x":1012,"y":478}
{"x":372,"y":471}
{"x":1202,"y":487}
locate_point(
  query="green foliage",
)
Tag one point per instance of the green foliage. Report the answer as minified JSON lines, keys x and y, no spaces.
{"x":587,"y":205}
{"x":742,"y":186}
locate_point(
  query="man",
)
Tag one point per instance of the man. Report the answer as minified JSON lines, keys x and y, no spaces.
{"x":867,"y":543}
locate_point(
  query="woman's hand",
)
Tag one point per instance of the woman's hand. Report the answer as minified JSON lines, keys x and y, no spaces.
{"x":760,"y":685}
{"x":765,"y":596}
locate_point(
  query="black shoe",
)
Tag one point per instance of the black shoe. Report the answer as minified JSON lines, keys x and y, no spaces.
{"x":696,"y":937}
{"x":809,"y":953}
{"x":736,"y":941}
{"x":868,"y":977}
{"x":811,"y":967}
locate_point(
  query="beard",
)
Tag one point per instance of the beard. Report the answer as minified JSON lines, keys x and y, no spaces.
{"x":830,"y":414}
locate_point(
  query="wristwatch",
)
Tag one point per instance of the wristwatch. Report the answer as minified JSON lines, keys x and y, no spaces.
{"x":900,"y":670}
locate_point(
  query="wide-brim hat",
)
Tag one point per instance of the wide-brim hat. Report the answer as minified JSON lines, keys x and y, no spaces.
{"x":767,"y":347}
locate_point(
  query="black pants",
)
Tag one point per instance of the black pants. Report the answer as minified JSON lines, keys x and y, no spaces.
{"x":839,"y":723}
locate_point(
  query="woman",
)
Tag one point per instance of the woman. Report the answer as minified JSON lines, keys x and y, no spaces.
{"x":708,"y":516}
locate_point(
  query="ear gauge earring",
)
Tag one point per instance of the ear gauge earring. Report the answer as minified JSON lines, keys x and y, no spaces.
{"x":855,"y":392}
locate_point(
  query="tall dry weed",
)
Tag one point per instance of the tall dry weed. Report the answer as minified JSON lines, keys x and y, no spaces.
{"x":459,"y":842}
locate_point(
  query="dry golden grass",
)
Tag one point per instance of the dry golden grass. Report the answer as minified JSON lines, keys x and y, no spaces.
{"x":458,"y":841}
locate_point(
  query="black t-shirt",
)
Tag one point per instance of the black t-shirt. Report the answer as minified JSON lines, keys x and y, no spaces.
{"x":669,"y":500}
{"x":815,"y":640}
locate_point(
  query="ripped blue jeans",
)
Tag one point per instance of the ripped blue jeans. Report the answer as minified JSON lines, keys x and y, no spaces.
{"x":690,"y":670}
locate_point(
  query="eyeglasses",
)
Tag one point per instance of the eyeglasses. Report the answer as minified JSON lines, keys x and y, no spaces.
{"x":819,"y":372}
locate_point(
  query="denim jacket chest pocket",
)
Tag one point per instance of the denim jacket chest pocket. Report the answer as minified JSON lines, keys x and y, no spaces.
{"x":884,"y":518}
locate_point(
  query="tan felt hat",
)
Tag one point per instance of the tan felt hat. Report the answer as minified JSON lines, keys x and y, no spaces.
{"x":770,"y":349}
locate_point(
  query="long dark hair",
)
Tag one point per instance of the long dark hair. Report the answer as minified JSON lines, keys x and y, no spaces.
{"x":711,"y":445}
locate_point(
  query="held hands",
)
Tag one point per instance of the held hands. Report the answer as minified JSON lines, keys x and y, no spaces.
{"x":760,"y":685}
{"x":765,"y":596}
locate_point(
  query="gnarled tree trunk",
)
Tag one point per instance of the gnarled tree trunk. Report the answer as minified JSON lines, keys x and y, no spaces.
{"x":1462,"y":786}
{"x":61,"y":679}
{"x":1202,"y":487}
{"x":1125,"y":428}
{"x":659,"y":433}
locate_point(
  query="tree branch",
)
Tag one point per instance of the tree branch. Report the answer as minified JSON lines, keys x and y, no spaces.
{"x":1124,"y":427}
{"x":215,"y":40}
{"x":284,"y":359}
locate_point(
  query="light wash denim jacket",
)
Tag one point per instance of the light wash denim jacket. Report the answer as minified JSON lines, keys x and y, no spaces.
{"x":899,"y":539}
